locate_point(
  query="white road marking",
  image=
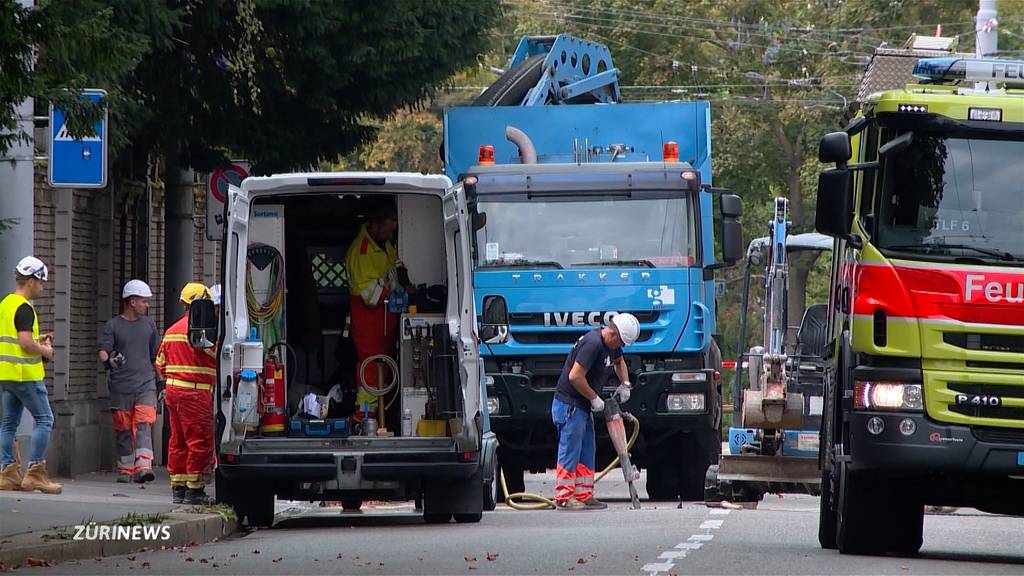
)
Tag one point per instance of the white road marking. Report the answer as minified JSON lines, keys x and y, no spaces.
{"x":689,"y":545}
{"x":655,"y":568}
{"x":672,"y":554}
{"x":720,"y":511}
{"x":701,"y":537}
{"x":711,"y":524}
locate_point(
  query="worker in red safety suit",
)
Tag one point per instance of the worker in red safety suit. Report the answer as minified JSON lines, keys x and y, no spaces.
{"x":374,"y":271}
{"x":190,"y":374}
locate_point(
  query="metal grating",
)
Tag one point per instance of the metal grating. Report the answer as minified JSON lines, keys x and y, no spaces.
{"x":329,"y":274}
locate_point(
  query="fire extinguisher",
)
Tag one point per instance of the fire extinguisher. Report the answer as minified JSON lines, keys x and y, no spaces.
{"x":272,"y":399}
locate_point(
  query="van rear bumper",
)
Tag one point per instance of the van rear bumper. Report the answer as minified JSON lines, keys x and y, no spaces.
{"x":330,"y":466}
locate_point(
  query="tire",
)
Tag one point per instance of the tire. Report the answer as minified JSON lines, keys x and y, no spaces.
{"x":468,"y":518}
{"x":826,"y":513}
{"x":491,"y":496}
{"x":437,"y":518}
{"x":512,"y":86}
{"x":857,"y":513}
{"x":662,"y":483}
{"x":701,"y":450}
{"x":258,"y":507}
{"x":351,"y":504}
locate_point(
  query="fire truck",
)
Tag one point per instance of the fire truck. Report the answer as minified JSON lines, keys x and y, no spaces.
{"x":924,"y":399}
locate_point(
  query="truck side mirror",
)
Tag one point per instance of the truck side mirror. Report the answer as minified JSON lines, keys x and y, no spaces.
{"x":834,"y":214}
{"x":834,"y":148}
{"x":479,"y":220}
{"x":731,"y":206}
{"x":203,"y":324}
{"x":494,"y":324}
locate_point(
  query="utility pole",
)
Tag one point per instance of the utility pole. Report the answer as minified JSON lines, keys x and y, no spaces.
{"x":985,"y":24}
{"x":180,"y":227}
{"x":17,"y":191}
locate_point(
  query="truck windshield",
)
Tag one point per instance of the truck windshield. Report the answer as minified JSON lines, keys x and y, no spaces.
{"x":566,"y":233}
{"x":954,"y":198}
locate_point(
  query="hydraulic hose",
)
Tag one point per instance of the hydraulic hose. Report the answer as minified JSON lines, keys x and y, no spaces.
{"x":532,"y":501}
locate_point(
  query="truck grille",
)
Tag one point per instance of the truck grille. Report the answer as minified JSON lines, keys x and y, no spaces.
{"x":537,"y":318}
{"x":563,"y":337}
{"x":985,"y":342}
{"x":1000,"y":390}
{"x":998,"y":435}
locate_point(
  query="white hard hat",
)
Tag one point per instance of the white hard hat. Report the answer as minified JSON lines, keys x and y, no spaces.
{"x":628,"y":327}
{"x":215,"y":291}
{"x":34,"y":267}
{"x":136,"y":288}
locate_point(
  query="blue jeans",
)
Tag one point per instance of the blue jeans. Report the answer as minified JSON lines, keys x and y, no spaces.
{"x":574,"y":475}
{"x":31,"y":395}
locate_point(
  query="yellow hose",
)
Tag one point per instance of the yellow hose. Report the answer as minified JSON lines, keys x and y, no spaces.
{"x":531,"y":501}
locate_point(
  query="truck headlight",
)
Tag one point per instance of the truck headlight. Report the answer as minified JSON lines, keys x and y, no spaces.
{"x":686,"y":402}
{"x":690,"y":377}
{"x":493,"y":405}
{"x":870,"y":395}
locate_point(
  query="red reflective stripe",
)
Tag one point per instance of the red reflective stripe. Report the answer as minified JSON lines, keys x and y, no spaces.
{"x":973,"y":295}
{"x":364,"y":246}
{"x":122,"y":419}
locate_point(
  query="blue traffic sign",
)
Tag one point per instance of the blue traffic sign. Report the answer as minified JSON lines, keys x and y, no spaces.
{"x":78,"y":163}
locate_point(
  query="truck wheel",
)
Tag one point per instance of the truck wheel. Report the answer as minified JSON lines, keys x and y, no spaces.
{"x":700,"y":450}
{"x":905,"y":523}
{"x":663,"y":478}
{"x":826,"y":513}
{"x":351,"y":504}
{"x":443,"y":498}
{"x":858,"y":517}
{"x":492,"y":492}
{"x":469,"y":518}
{"x":439,"y":518}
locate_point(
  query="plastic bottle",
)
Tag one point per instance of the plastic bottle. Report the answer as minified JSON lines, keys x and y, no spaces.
{"x":246,"y":417}
{"x":399,"y":301}
{"x":407,"y":422}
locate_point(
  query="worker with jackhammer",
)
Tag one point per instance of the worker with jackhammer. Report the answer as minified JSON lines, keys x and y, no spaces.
{"x":190,"y":374}
{"x":577,"y":394}
{"x":128,"y":349}
{"x":22,"y":353}
{"x":374,"y":272}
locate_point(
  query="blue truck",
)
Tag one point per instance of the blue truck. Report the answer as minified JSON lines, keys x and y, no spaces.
{"x":583,"y":208}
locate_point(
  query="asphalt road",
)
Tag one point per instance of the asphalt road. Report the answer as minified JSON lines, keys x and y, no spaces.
{"x":780,"y":537}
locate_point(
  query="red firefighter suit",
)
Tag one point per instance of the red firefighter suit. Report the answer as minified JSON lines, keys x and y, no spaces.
{"x":190,"y":375}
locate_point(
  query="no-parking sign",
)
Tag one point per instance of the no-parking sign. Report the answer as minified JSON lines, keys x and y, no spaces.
{"x":217,"y":194}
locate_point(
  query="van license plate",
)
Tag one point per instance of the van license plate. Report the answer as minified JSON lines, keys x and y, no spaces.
{"x":1020,"y":458}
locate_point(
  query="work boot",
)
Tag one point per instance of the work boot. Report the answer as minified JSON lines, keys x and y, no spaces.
{"x":571,"y":504}
{"x":37,"y":479}
{"x":593,"y":503}
{"x":197,"y":497}
{"x":178,"y":494}
{"x":10,"y":477}
{"x":124,"y":478}
{"x":143,"y":476}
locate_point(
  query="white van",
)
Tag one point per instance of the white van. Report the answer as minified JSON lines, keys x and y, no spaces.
{"x":284,"y":265}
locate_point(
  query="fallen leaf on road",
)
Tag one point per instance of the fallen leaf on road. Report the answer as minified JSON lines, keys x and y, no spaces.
{"x":215,"y":565}
{"x":340,"y":556}
{"x":255,"y":551}
{"x":593,"y":555}
{"x":234,"y":555}
{"x":131,"y":558}
{"x":471,"y":567}
{"x":35,"y":562}
{"x":204,"y":561}
{"x":492,"y":556}
{"x":98,"y":559}
{"x":146,"y":564}
{"x":581,"y":561}
{"x":278,"y":559}
{"x":189,"y":559}
{"x":470,"y":558}
{"x":141,"y":487}
{"x":192,"y":543}
{"x":904,"y":568}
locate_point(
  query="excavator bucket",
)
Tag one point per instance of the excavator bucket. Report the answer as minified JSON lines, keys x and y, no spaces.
{"x":786,"y":413}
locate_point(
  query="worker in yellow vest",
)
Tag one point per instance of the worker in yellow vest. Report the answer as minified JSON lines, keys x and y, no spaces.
{"x":22,"y":352}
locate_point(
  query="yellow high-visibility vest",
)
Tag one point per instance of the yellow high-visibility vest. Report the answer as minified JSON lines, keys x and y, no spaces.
{"x":369,"y":268}
{"x":16,"y":365}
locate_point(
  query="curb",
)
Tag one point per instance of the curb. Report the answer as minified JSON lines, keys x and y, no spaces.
{"x":183,"y":529}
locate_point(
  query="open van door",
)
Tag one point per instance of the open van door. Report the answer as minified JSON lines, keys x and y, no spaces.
{"x":461,"y":319}
{"x":236,"y":317}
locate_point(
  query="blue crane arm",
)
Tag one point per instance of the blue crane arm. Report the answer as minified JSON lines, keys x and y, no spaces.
{"x":572,"y":68}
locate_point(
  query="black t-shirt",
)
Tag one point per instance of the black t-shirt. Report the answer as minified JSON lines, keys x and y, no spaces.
{"x":24,"y":318}
{"x":596,"y":358}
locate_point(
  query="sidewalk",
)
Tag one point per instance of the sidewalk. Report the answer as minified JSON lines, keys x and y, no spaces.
{"x":35,"y":525}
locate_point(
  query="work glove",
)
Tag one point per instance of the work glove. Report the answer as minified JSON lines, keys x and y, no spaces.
{"x":115,"y":360}
{"x":622,"y":392}
{"x":597,"y":405}
{"x":403,"y":276}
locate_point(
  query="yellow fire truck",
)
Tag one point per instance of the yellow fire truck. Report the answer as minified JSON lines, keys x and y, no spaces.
{"x":924,"y":401}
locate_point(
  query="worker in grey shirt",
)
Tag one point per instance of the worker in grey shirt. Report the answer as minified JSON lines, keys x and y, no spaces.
{"x":128,"y":350}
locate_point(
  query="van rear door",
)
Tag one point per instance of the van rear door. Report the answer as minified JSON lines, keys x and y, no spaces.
{"x":461,"y":315}
{"x":236,"y":319}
